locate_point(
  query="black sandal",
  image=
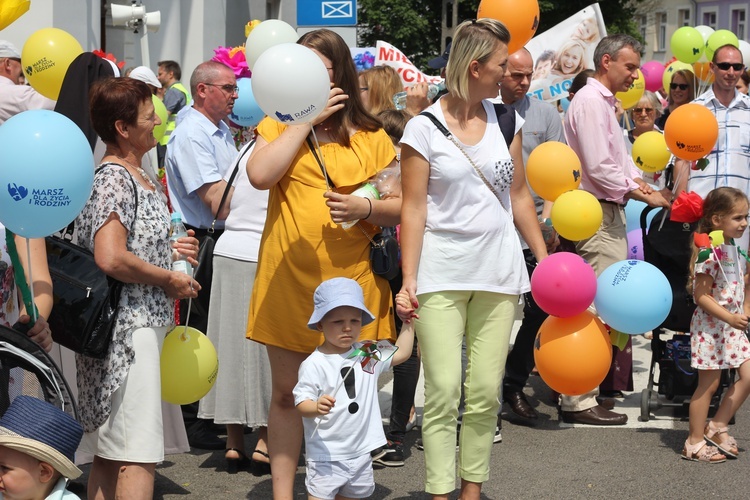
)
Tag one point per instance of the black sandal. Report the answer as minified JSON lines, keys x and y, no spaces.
{"x":235,"y":464}
{"x":260,"y":468}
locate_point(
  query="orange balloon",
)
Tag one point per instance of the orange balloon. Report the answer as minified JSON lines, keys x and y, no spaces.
{"x":521,"y":17}
{"x":702,"y":71}
{"x":552,"y":169}
{"x":691,"y":131}
{"x":573,"y":355}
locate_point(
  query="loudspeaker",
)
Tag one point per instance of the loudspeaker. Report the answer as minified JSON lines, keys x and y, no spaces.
{"x":133,"y":15}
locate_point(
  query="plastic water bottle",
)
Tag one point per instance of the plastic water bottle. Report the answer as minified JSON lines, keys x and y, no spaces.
{"x":177,"y":230}
{"x":399,"y":98}
{"x":366,"y":190}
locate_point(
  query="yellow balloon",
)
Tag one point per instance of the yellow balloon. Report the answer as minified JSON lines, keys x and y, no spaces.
{"x":10,"y":10}
{"x":45,"y":58}
{"x":188,"y":366}
{"x":576,"y":215}
{"x":670,"y":69}
{"x":631,"y":97}
{"x":650,"y":152}
{"x":552,"y":169}
{"x":161,"y":112}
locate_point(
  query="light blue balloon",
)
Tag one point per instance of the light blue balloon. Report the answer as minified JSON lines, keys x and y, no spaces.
{"x":246,"y":111}
{"x":633,"y":296}
{"x":46,"y":172}
{"x":633,"y":211}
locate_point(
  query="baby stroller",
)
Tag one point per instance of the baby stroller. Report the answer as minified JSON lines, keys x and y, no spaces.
{"x":26,"y":369}
{"x":669,"y":249}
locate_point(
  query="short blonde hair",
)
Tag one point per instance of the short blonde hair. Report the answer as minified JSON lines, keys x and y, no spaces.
{"x":382,"y":83}
{"x":475,"y":40}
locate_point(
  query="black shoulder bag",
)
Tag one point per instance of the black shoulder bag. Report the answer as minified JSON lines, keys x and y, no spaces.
{"x":383,"y":247}
{"x":85,"y":300}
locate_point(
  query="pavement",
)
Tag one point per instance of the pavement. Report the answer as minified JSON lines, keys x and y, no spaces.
{"x":536,"y":460}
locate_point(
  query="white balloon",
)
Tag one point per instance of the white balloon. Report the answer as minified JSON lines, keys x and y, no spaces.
{"x":291,"y":83}
{"x":745,"y":50}
{"x":706,"y":31}
{"x":266,"y":35}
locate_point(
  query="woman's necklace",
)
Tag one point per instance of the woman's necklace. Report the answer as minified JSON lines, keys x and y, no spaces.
{"x":142,"y":172}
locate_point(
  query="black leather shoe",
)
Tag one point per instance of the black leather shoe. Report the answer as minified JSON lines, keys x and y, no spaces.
{"x":200,"y":436}
{"x":597,"y":415}
{"x":520,"y":405}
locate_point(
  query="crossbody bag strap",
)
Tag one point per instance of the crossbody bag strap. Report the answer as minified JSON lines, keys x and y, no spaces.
{"x":229,"y":184}
{"x":450,"y":137}
{"x":132,"y":181}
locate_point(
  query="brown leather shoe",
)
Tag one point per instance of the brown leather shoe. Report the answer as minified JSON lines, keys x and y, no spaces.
{"x":520,"y":405}
{"x":597,"y":415}
{"x":606,"y":403}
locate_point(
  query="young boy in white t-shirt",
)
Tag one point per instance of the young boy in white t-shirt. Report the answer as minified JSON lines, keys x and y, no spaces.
{"x":337,"y":392}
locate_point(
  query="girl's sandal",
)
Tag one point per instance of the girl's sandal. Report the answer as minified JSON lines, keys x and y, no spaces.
{"x":727,"y":446}
{"x":701,"y":452}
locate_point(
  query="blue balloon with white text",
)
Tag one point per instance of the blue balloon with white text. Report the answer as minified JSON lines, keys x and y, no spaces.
{"x":46,"y":172}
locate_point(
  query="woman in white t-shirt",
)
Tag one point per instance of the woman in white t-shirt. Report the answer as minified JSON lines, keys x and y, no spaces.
{"x":461,"y":257}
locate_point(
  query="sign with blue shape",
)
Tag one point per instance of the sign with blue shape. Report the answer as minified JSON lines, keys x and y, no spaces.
{"x":326,"y":12}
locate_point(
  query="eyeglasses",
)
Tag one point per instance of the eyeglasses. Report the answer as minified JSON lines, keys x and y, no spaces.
{"x":724,"y":66}
{"x":638,"y":111}
{"x":228,"y":88}
{"x":681,"y":86}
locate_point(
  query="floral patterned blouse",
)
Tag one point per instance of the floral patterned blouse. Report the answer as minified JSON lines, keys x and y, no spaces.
{"x":714,"y":344}
{"x":140,"y":305}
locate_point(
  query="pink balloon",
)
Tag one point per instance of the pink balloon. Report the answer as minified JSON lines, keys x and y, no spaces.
{"x":635,"y":245}
{"x":563,"y":284}
{"x":652,"y":73}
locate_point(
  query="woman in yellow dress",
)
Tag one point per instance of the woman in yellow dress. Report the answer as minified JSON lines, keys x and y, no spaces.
{"x":303,"y":242}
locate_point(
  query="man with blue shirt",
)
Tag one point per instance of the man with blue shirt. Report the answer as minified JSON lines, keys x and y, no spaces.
{"x":199,"y":152}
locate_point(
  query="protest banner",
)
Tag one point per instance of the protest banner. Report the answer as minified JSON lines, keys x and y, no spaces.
{"x":388,"y":55}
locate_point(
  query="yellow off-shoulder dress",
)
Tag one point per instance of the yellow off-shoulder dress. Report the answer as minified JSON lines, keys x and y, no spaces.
{"x":301,"y":247}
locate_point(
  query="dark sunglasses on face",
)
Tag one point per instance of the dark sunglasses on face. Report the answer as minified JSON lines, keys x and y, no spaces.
{"x":724,"y":66}
{"x":681,"y":86}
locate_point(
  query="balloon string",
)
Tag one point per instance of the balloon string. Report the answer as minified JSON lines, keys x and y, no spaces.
{"x":33,"y":313}
{"x":740,"y":307}
{"x":320,"y":155}
{"x":184,"y":336}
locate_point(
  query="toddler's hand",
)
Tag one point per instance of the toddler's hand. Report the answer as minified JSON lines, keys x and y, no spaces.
{"x":325,"y":403}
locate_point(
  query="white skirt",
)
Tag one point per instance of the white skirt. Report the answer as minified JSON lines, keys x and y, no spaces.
{"x":136,"y":429}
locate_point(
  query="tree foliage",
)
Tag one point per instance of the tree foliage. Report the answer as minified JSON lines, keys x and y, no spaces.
{"x":414,"y":26}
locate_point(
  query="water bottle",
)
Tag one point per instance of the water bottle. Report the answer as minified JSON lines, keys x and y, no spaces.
{"x":399,"y":98}
{"x":177,"y":230}
{"x":366,"y":190}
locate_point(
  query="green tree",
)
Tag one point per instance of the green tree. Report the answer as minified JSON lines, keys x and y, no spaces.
{"x":413,"y":26}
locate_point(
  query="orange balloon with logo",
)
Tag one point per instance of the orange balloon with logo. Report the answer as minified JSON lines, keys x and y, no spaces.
{"x":553,"y":168}
{"x":691,"y":131}
{"x":521,"y":17}
{"x":573,"y":355}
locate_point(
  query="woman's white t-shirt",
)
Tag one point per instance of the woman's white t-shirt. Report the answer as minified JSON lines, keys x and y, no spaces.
{"x":470,"y":242}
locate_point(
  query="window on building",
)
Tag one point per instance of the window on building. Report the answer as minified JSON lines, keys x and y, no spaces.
{"x":661,"y":31}
{"x":684,"y":18}
{"x":709,"y":19}
{"x":643,"y":22}
{"x":272,"y":9}
{"x":738,"y":22}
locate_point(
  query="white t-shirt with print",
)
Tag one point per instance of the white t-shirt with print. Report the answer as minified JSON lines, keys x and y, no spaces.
{"x":470,"y":242}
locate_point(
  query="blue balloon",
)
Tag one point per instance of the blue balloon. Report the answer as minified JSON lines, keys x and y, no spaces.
{"x":633,"y":296}
{"x":46,"y":172}
{"x":633,"y":211}
{"x":246,"y":111}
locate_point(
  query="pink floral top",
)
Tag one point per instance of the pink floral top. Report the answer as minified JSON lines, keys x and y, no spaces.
{"x":714,"y":344}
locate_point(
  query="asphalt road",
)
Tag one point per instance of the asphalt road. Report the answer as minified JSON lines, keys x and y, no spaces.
{"x":547,"y":459}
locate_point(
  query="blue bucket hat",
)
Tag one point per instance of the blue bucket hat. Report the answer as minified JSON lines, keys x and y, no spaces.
{"x":338,"y":292}
{"x":41,"y":430}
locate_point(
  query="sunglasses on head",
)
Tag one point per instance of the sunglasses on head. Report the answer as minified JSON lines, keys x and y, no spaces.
{"x":724,"y":66}
{"x":681,"y":86}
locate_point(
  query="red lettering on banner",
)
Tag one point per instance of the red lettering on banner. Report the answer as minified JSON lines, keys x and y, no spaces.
{"x":386,"y":54}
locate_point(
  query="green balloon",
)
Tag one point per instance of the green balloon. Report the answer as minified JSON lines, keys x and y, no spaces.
{"x":719,"y":38}
{"x":687,"y":44}
{"x":161,"y":112}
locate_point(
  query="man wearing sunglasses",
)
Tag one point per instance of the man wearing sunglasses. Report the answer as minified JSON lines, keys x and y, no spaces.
{"x":729,"y":161}
{"x":14,"y":97}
